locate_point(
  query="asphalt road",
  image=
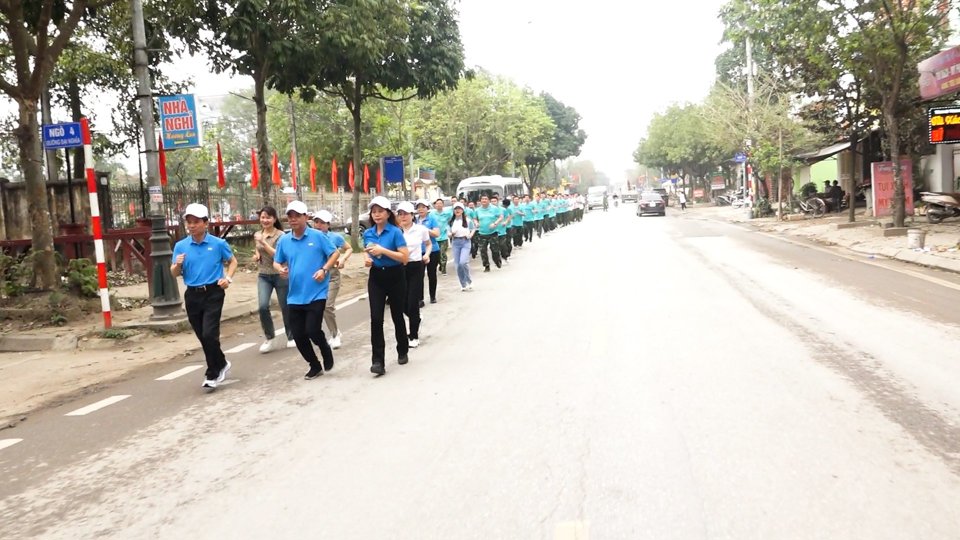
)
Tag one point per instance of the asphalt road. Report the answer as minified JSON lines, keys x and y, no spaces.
{"x":678,"y":378}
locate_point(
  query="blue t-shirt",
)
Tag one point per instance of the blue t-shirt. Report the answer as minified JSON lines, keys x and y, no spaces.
{"x":203,"y":264}
{"x":505,"y":213}
{"x":335,"y":238}
{"x":303,"y":257}
{"x":443,"y":221}
{"x":486,"y":217}
{"x":518,"y":212}
{"x":430,"y":223}
{"x":391,"y":238}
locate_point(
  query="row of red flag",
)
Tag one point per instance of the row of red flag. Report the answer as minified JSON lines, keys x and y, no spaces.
{"x":277,"y":180}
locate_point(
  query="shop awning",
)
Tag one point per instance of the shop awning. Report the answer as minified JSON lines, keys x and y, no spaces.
{"x":819,"y":155}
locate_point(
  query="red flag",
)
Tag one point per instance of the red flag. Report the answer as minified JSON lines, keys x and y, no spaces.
{"x":350,"y":176}
{"x":293,"y":170}
{"x":221,"y":177}
{"x":313,"y":174}
{"x":163,"y":162}
{"x":379,"y":185}
{"x":334,"y":173}
{"x":276,"y":170}
{"x":366,"y":178}
{"x":255,"y":169}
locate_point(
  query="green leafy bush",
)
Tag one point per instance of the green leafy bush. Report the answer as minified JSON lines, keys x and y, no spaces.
{"x":81,"y":277}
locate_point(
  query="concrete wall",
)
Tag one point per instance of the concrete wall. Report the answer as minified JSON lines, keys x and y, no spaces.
{"x":14,"y":215}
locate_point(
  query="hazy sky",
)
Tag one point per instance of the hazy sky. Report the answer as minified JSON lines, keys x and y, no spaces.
{"x":617,"y":62}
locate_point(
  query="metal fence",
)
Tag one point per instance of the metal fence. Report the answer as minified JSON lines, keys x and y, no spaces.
{"x":232,"y":203}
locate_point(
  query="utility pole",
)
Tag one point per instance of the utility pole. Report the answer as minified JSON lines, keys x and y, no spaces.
{"x":852,"y":184}
{"x":749,"y":191}
{"x":296,"y":154}
{"x":164,"y":292}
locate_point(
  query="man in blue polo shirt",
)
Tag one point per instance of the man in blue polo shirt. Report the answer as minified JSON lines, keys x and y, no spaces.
{"x":305,"y":257}
{"x":199,"y":259}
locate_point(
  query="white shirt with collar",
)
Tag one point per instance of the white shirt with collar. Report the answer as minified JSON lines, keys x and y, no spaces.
{"x":415,"y":236}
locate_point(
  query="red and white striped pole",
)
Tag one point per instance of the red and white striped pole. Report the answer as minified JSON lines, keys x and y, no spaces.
{"x":95,"y":224}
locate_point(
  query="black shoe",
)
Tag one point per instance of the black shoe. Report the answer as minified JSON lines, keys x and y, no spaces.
{"x":327,"y":366}
{"x":433,"y":300}
{"x":422,"y":304}
{"x":377,"y":369}
{"x":315,"y":371}
{"x":486,"y":268}
{"x":499,"y":265}
{"x":403,"y":359}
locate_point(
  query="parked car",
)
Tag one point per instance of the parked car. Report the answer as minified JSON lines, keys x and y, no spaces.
{"x":630,"y":195}
{"x":664,"y":194}
{"x":651,"y":203}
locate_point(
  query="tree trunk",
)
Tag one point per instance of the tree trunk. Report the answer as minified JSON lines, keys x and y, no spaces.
{"x":76,"y":112}
{"x":355,"y":199}
{"x":263,"y":147}
{"x":44,"y":263}
{"x":893,"y":139}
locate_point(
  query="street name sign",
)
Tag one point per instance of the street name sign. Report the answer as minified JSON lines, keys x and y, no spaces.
{"x":56,"y":136}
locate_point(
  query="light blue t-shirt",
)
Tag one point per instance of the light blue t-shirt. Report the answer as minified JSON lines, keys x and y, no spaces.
{"x":443,"y":221}
{"x":518,"y":214}
{"x":486,"y":217}
{"x":203,"y":264}
{"x":303,"y":257}
{"x":505,"y":213}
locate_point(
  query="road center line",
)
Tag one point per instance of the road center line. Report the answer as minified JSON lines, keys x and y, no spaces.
{"x":243,"y":346}
{"x":7,"y":443}
{"x":97,"y":406}
{"x":179,"y":373}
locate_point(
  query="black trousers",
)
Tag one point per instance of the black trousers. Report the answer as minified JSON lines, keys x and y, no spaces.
{"x":432,"y":275}
{"x":517,"y":232}
{"x":505,"y":248}
{"x":387,"y":285}
{"x":528,"y":231}
{"x":414,"y":276}
{"x":306,"y":325}
{"x":538,"y":225}
{"x":204,"y":306}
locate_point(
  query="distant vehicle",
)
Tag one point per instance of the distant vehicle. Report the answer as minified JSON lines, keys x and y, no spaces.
{"x":475,"y":187}
{"x":664,"y":194}
{"x":595,"y":196}
{"x":630,"y":195}
{"x":651,"y":203}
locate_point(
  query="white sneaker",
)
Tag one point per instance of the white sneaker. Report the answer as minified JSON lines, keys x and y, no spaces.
{"x":223,"y":372}
{"x":334,"y":342}
{"x":463,"y":289}
{"x":209,"y":383}
{"x":470,"y":286}
{"x":291,"y":344}
{"x":267,"y":346}
{"x":414,"y":343}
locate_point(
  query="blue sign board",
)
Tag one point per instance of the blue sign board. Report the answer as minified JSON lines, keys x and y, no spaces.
{"x":62,"y":136}
{"x":393,"y":169}
{"x":178,"y":122}
{"x":740,"y":157}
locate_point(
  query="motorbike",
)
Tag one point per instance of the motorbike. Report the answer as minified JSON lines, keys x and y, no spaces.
{"x":941,"y":206}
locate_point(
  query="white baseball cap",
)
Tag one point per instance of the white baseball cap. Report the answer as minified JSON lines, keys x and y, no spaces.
{"x":405,"y":207}
{"x":324,"y":216}
{"x":423,"y":202}
{"x":458,"y":205}
{"x":380,"y":201}
{"x":196,"y":210}
{"x":296,"y":206}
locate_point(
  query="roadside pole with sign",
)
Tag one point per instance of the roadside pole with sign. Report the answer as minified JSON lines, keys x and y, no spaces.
{"x":64,"y":136}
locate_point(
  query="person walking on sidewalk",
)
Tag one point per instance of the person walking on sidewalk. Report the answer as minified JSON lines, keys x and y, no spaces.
{"x":433,"y":261}
{"x":442,"y":216}
{"x":322,"y":221}
{"x":200,"y":258}
{"x":682,"y":197}
{"x":487,"y":221}
{"x":305,"y":257}
{"x":269,"y":280}
{"x":417,"y":239}
{"x":385,"y":251}
{"x":461,"y":231}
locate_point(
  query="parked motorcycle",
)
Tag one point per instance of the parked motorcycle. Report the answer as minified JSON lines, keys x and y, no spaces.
{"x":941,"y":206}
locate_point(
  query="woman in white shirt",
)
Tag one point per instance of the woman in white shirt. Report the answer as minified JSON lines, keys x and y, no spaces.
{"x":418,"y":244}
{"x":461,"y":231}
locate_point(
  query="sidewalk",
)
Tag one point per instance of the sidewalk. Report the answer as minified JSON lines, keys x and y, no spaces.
{"x":865,"y":236}
{"x":47,"y":366}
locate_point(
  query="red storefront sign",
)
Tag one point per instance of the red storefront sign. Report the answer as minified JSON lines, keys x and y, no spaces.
{"x":940,"y":74}
{"x":884,"y":186}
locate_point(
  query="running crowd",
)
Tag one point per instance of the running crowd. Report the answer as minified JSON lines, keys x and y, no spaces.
{"x":406,"y":245}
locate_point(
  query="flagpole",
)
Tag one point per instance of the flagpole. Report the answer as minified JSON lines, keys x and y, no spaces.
{"x":293,"y":139}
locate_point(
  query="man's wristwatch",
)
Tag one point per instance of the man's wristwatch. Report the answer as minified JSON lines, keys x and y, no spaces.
{"x":229,"y":279}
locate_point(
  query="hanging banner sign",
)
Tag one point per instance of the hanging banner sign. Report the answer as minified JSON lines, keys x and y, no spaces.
{"x":884,"y":186}
{"x":178,"y":122}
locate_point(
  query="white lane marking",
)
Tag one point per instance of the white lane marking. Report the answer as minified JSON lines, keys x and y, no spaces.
{"x":7,"y":443}
{"x":228,"y":382}
{"x":351,"y":302}
{"x":572,"y":530}
{"x":239,"y":348}
{"x":178,"y":373}
{"x":278,"y":331}
{"x":97,"y":406}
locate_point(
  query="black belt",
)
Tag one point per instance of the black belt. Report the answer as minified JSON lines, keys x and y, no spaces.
{"x":203,"y":288}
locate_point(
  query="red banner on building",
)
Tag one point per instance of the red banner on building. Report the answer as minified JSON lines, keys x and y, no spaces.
{"x":883,"y":185}
{"x":940,"y":74}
